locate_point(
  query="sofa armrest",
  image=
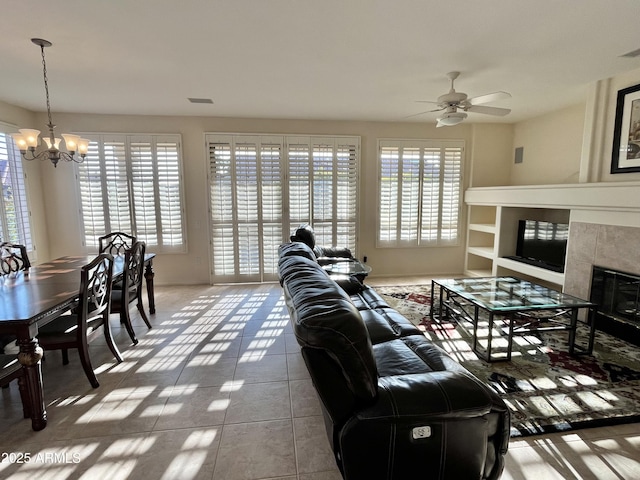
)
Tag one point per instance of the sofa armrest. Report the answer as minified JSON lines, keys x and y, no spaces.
{"x":445,"y":421}
{"x":439,"y":394}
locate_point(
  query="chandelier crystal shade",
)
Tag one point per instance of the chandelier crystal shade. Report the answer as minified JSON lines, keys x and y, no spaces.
{"x":27,"y":139}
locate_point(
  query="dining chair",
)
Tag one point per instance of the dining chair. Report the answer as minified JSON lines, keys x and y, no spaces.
{"x":13,"y":258}
{"x":83,"y":323}
{"x":10,"y":370}
{"x":132,"y":277}
{"x":115,"y":243}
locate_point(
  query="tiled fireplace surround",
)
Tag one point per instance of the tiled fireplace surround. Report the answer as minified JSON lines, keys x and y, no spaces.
{"x":611,"y":246}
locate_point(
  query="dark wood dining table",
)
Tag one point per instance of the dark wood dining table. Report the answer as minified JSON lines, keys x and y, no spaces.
{"x":32,"y":298}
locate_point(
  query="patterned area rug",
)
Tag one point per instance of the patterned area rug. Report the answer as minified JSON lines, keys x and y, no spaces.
{"x":546,"y":389}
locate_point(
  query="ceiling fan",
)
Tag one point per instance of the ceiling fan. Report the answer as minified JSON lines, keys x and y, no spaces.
{"x":451,"y":102}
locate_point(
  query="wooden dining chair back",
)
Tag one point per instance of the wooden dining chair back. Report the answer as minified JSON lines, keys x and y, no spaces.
{"x":132,"y":278}
{"x":13,"y":258}
{"x":91,"y":316}
{"x":10,"y":370}
{"x":116,"y":243}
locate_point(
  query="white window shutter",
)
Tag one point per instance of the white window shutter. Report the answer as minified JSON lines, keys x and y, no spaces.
{"x":15,"y":226}
{"x":419,"y":192}
{"x":133,"y":184}
{"x":263,"y":186}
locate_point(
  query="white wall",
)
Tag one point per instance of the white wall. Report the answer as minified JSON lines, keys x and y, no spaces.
{"x":63,"y":226}
{"x":552,"y":146}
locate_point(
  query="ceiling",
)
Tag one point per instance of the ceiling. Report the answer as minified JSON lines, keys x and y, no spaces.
{"x":366,"y":60}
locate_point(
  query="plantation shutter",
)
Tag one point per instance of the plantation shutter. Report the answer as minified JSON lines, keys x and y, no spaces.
{"x":14,"y":211}
{"x":262,"y":187}
{"x":132,"y":183}
{"x":346,"y":167}
{"x":221,"y":184}
{"x":419,"y":187}
{"x":246,"y":206}
{"x":299,"y":166}
{"x":323,"y":181}
{"x":271,"y":204}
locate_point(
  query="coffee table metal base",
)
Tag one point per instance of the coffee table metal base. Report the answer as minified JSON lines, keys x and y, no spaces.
{"x":464,"y":309}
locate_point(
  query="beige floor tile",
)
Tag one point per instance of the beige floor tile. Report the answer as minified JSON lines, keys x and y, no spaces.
{"x":304,"y":399}
{"x":296,"y":368}
{"x":262,"y":343}
{"x":261,"y":368}
{"x":257,"y":450}
{"x":121,"y":412}
{"x":207,"y":370}
{"x":190,"y":407}
{"x":312,"y":446}
{"x":254,"y":402}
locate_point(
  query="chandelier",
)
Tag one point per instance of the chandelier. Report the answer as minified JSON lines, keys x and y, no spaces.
{"x":27,"y":139}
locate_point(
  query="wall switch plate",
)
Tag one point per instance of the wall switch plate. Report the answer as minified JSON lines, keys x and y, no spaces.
{"x":421,"y":432}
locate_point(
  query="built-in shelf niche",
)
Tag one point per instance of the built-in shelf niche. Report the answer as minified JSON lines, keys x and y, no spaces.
{"x":492,"y":234}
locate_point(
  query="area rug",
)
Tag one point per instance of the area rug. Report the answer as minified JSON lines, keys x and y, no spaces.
{"x":546,"y":389}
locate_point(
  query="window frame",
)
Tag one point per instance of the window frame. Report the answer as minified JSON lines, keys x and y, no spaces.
{"x":127,"y":212}
{"x":19,"y":181}
{"x":452,"y":155}
{"x":295,"y":153}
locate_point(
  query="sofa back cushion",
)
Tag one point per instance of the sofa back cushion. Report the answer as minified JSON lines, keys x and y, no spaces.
{"x":296,"y":249}
{"x":305,"y":234}
{"x":326,"y":321}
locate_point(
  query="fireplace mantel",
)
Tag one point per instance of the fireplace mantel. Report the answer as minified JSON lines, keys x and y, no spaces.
{"x":604,"y":219}
{"x":611,"y":196}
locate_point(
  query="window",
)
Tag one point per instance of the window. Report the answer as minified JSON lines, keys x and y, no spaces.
{"x":420,"y":184}
{"x":133,"y":184}
{"x":264,"y":186}
{"x":14,"y":211}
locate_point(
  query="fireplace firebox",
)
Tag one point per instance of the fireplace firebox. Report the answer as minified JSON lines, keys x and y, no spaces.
{"x":618,"y":297}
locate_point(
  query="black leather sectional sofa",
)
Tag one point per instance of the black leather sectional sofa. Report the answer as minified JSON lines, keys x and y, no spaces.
{"x":395,"y":405}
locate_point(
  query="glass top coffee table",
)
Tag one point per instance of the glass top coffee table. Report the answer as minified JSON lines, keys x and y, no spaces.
{"x":345,"y":266}
{"x":526,"y":307}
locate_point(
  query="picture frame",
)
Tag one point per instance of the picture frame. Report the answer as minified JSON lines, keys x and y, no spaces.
{"x":625,"y":157}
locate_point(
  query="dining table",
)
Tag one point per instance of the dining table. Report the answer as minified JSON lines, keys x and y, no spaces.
{"x":29,"y":299}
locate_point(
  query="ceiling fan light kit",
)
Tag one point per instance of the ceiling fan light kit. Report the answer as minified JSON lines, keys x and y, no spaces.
{"x":450,"y":119}
{"x":453,"y":101}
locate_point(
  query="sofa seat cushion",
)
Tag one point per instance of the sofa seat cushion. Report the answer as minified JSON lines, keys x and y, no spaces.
{"x":396,"y":358}
{"x":412,"y":354}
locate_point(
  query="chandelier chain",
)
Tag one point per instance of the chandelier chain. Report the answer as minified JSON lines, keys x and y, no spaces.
{"x":46,"y":87}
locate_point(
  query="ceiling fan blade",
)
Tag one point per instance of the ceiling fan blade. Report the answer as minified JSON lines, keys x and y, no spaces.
{"x":422,"y":113}
{"x":426,"y":101}
{"x":488,"y":98}
{"x":416,"y":114}
{"x":500,"y":112}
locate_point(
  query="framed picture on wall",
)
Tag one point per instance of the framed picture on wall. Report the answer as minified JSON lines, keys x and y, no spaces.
{"x":626,"y":134}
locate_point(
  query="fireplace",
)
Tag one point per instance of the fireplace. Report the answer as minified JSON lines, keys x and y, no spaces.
{"x":618,"y":297}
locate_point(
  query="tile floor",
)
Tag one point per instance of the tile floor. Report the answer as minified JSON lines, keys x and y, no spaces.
{"x":217,"y":390}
